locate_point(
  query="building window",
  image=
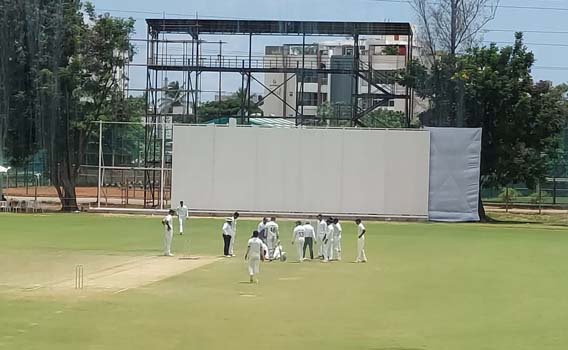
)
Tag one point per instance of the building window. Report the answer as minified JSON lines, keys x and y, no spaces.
{"x":391,"y":103}
{"x":309,"y":99}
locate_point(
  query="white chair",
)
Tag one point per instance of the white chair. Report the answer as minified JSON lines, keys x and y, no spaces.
{"x":16,"y":206}
{"x":4,"y":206}
{"x":37,"y":207}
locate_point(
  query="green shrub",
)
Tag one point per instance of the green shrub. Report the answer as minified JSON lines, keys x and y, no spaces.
{"x":508,"y":195}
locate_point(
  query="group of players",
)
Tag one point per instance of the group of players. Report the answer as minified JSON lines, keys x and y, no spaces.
{"x":265,"y":244}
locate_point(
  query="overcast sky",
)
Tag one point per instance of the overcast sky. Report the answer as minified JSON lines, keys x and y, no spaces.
{"x":545,"y":23}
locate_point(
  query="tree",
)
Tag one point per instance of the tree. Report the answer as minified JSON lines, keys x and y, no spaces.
{"x":230,"y":107}
{"x":384,"y":118}
{"x":70,"y":74}
{"x":174,"y":97}
{"x":446,"y":29}
{"x":521,"y":120}
{"x":452,"y":26}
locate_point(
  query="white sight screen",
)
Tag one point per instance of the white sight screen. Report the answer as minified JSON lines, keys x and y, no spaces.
{"x":289,"y":170}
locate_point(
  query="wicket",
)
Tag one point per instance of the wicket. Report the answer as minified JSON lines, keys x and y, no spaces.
{"x":79,"y":273}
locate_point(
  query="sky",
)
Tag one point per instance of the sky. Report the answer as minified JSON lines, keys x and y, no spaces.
{"x":544,"y":22}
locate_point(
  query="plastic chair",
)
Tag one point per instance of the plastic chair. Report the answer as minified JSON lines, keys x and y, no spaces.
{"x":4,"y":206}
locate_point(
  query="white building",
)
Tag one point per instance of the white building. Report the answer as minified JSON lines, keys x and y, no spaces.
{"x":384,"y":55}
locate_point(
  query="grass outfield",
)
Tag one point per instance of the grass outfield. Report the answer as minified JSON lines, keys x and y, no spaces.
{"x":426,"y":286}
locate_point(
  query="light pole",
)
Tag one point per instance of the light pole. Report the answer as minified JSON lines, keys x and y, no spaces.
{"x":37,"y":176}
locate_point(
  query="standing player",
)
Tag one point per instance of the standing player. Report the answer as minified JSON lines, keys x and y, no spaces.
{"x":168,"y":223}
{"x":309,"y":242}
{"x":182,"y":212}
{"x":272,"y":236}
{"x":254,"y":255}
{"x":328,"y":241}
{"x":322,"y":232}
{"x":336,"y":249}
{"x":298,"y":238}
{"x":262,"y":229}
{"x":227,"y":236}
{"x":361,"y":257}
{"x":232,"y":245}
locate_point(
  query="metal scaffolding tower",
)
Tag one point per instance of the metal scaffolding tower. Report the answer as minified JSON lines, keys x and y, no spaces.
{"x":189,"y":59}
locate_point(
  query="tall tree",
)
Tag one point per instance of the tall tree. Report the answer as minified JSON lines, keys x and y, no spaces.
{"x":70,"y":73}
{"x":521,"y":120}
{"x":452,"y":26}
{"x":446,"y":29}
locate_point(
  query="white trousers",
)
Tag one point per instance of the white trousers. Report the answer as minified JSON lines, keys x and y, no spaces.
{"x":232,"y":245}
{"x":181,"y":222}
{"x":300,"y":248}
{"x":320,"y":245}
{"x":327,"y":250}
{"x":336,"y":248}
{"x":361,"y":249}
{"x":254,"y":265}
{"x":168,"y":235}
{"x":271,"y":242}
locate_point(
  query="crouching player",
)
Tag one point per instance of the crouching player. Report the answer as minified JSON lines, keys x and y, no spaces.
{"x":254,"y":255}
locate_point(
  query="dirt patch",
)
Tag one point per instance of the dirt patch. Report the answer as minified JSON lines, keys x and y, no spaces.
{"x":56,"y":274}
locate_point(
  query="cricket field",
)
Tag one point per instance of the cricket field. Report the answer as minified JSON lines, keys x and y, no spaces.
{"x":426,"y":286}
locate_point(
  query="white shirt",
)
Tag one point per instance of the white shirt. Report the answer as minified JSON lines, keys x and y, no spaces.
{"x":168,"y":222}
{"x":330,"y":232}
{"x":255,"y":247}
{"x":272,"y":229}
{"x":309,"y":230}
{"x":360,"y":229}
{"x":261,"y":227}
{"x":338,"y":230}
{"x":299,"y":233}
{"x":228,"y":229}
{"x":182,"y":211}
{"x":322,"y":228}
{"x":234,"y":225}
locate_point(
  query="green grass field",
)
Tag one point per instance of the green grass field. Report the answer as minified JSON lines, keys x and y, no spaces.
{"x":426,"y":286}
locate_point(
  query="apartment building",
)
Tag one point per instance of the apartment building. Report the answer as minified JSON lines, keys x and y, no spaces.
{"x":382,"y":57}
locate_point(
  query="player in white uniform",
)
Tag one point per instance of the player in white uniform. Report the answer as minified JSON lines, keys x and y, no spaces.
{"x":168,"y":223}
{"x":262,"y":229}
{"x":309,"y":242}
{"x":298,"y":238}
{"x":232,"y":245}
{"x":254,"y":255}
{"x":361,"y":231}
{"x":336,"y":248}
{"x":321,"y":232}
{"x":227,"y":235}
{"x":328,"y":241}
{"x":182,"y":212}
{"x":272,"y":236}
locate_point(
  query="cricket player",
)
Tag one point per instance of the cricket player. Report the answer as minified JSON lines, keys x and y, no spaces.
{"x":272,"y":236}
{"x":337,"y":231}
{"x":228,"y":233}
{"x":361,"y":231}
{"x":310,"y":234}
{"x":232,"y":246}
{"x":182,"y":212}
{"x":168,"y":223}
{"x":298,"y":238}
{"x":328,"y":240}
{"x":321,"y":232}
{"x":254,"y":255}
{"x":262,"y":229}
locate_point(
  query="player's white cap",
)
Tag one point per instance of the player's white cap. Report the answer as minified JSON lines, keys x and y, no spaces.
{"x":229,"y":219}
